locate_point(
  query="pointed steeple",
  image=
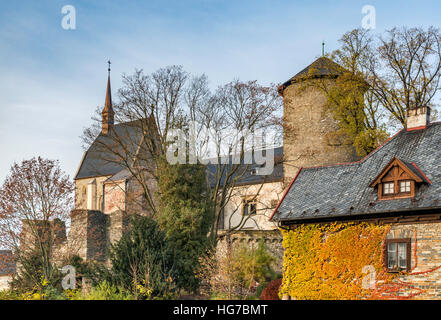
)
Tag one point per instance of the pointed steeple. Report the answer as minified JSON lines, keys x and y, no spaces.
{"x":108,"y":114}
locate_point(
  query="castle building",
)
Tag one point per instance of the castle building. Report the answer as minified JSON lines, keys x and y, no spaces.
{"x":106,"y":193}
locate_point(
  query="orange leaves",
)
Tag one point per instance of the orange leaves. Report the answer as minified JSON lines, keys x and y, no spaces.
{"x":326,"y":261}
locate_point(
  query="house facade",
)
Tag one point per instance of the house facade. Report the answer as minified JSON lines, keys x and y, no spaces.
{"x":398,"y":185}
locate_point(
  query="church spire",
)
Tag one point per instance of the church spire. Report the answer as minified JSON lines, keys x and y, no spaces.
{"x":108,"y":114}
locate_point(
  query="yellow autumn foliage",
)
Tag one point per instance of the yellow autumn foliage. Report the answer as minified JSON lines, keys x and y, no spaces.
{"x":326,"y":261}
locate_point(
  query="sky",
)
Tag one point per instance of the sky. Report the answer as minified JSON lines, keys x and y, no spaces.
{"x":52,"y":79}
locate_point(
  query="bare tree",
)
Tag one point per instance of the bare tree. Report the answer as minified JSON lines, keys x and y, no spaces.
{"x":401,"y":69}
{"x":408,"y":69}
{"x":35,"y":201}
{"x":382,"y":77}
{"x":237,"y":107}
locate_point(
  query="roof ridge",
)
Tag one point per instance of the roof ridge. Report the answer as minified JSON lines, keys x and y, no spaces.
{"x":362,"y":159}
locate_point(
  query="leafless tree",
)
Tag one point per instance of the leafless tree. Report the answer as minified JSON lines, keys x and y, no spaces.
{"x":402,"y":69}
{"x":35,"y":201}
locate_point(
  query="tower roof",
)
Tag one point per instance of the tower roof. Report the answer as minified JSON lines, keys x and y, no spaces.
{"x":108,"y":103}
{"x":323,"y":67}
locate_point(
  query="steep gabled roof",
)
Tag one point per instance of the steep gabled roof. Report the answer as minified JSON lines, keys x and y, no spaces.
{"x":344,"y":190}
{"x":104,"y":156}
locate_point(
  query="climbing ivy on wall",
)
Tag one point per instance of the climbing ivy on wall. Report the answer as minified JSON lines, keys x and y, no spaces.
{"x":327,"y":261}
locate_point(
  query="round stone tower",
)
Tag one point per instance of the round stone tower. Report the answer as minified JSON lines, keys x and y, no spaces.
{"x":310,"y":131}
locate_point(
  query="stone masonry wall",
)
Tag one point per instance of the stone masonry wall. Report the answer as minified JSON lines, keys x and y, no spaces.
{"x":425,"y":256}
{"x":310,"y":137}
{"x":88,"y":234}
{"x":272,"y":239}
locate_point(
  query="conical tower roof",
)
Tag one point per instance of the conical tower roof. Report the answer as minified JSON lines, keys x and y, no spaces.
{"x":323,"y":67}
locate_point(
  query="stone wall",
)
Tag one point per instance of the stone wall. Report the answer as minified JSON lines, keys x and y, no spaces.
{"x":114,"y":197}
{"x":310,"y":131}
{"x":425,"y":256}
{"x":118,"y":224}
{"x":88,"y":234}
{"x":272,"y":239}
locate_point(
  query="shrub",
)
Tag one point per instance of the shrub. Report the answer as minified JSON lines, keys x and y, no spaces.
{"x":238,"y":274}
{"x":31,"y":275}
{"x":9,"y":295}
{"x":104,"y":291}
{"x":142,"y":262}
{"x":271,"y":292}
{"x":252,"y":265}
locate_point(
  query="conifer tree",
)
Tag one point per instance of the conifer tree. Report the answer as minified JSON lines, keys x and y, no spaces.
{"x":185,"y":216}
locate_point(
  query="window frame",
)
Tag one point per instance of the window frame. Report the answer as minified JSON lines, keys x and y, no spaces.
{"x":248,"y":202}
{"x":397,"y":190}
{"x":384,"y":189}
{"x":408,"y":243}
{"x":405,"y":192}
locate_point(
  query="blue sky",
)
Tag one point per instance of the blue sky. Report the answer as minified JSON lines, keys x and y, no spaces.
{"x":51,"y":79}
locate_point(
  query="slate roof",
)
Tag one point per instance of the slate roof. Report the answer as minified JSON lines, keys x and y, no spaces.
{"x":98,"y":160}
{"x":343,"y":190}
{"x":246,"y":173}
{"x":119,"y":176}
{"x":320,"y":68}
{"x":7,"y":264}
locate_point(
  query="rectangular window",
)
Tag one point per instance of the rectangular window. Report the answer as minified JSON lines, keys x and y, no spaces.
{"x":404,"y":186}
{"x":398,"y":254}
{"x":249,"y":207}
{"x":388,"y":188}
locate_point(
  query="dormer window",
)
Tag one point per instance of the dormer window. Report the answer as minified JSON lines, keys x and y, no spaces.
{"x":388,"y":188}
{"x":399,"y":179}
{"x":405,"y":186}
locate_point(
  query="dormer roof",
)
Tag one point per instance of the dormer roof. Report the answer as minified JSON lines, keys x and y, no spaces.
{"x":410,"y":168}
